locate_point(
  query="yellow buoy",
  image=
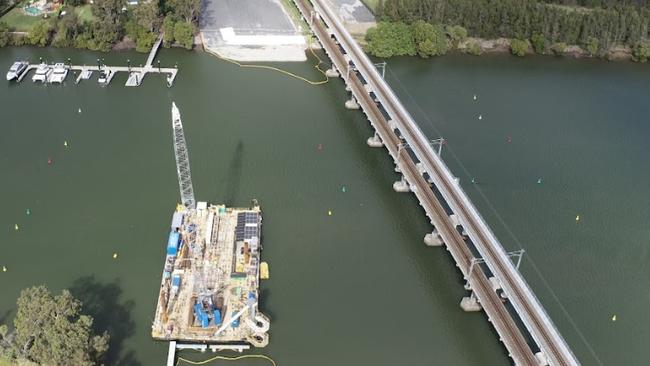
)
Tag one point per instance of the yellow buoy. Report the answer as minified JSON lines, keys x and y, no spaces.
{"x":578,"y":218}
{"x":264,"y":271}
{"x":16,"y":227}
{"x":4,"y":269}
{"x":329,"y":213}
{"x":114,"y":255}
{"x":614,"y":318}
{"x":65,"y":143}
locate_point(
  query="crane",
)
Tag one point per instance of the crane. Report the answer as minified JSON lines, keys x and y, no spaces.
{"x":182,"y":161}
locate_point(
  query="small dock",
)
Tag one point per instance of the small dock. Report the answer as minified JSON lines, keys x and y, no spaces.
{"x":136,"y":74}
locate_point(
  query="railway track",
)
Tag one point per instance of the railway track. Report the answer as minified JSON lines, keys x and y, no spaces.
{"x":498,"y":314}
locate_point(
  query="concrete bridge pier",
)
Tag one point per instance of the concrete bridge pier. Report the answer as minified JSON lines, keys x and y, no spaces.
{"x":401,"y":186}
{"x":374,"y":141}
{"x":432,"y":239}
{"x":332,"y":73}
{"x":352,"y":103}
{"x":470,"y":303}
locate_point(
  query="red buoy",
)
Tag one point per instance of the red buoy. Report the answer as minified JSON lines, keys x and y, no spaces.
{"x":319,"y":147}
{"x":509,"y":139}
{"x":49,"y":160}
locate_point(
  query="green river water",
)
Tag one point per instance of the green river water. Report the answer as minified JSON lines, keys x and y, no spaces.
{"x":358,"y":287}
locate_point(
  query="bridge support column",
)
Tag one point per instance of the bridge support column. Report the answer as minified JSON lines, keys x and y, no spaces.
{"x":470,"y":303}
{"x":432,"y":239}
{"x":401,"y":186}
{"x":352,"y":103}
{"x":332,"y":73}
{"x":375,"y":141}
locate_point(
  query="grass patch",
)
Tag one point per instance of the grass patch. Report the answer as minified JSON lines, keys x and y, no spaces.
{"x":5,"y":362}
{"x":371,"y":4}
{"x":291,"y":9}
{"x":17,"y":20}
{"x":85,"y":13}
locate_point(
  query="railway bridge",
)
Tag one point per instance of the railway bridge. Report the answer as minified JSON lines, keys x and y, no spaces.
{"x":494,"y":282}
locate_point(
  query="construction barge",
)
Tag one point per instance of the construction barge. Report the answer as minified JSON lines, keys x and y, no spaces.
{"x":210,"y":282}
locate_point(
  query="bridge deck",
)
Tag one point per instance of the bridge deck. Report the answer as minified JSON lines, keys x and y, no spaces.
{"x":528,"y":308}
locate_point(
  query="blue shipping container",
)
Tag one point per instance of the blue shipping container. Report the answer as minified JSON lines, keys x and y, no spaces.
{"x":216,"y":314}
{"x":172,"y":243}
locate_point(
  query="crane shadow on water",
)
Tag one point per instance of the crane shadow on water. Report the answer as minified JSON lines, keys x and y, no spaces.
{"x":102,"y":301}
{"x":233,"y":176}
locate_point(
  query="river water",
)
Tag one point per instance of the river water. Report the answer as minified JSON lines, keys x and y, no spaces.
{"x":358,"y":287}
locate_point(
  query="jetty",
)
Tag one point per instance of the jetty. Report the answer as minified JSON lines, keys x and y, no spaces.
{"x":136,"y":73}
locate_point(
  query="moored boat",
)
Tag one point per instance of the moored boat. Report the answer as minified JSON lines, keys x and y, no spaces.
{"x":16,"y":70}
{"x":59,"y":73}
{"x":43,"y":71}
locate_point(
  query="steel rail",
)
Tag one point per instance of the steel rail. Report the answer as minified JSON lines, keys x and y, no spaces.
{"x":522,"y":298}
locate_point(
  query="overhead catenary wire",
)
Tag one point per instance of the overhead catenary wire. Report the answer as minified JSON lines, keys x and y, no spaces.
{"x":502,"y":221}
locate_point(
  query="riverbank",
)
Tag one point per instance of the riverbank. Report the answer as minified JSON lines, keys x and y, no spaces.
{"x":477,"y":46}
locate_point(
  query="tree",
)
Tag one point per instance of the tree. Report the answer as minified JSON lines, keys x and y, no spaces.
{"x":429,"y":40}
{"x":109,"y":26}
{"x":592,"y":45}
{"x":518,"y":47}
{"x":66,"y":30}
{"x":184,"y":34}
{"x":474,"y":48}
{"x":641,"y":52}
{"x":389,"y":39}
{"x":40,"y":34}
{"x":50,"y":330}
{"x":539,"y":42}
{"x":457,"y":34}
{"x":558,"y":48}
{"x":168,"y":30}
{"x":187,"y":10}
{"x":5,"y":36}
{"x":147,"y":15}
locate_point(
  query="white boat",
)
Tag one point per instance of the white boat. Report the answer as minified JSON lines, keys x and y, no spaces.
{"x":105,"y":76}
{"x":59,"y":73}
{"x":16,"y":70}
{"x":43,"y":71}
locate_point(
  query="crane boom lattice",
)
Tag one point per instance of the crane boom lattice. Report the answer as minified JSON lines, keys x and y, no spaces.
{"x":182,"y":161}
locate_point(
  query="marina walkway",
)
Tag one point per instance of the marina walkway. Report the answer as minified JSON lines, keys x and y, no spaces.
{"x":496,"y":284}
{"x":136,"y":74}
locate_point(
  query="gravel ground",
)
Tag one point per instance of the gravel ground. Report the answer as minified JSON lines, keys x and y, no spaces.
{"x":249,"y":18}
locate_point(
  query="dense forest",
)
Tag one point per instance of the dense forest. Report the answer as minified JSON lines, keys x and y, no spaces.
{"x":112,"y":22}
{"x":596,"y":24}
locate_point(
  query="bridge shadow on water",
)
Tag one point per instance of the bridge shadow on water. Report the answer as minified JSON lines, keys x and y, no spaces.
{"x":102,"y":301}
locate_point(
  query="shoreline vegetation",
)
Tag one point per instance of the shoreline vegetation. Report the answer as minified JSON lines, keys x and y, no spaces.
{"x":102,"y":25}
{"x":609,"y":29}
